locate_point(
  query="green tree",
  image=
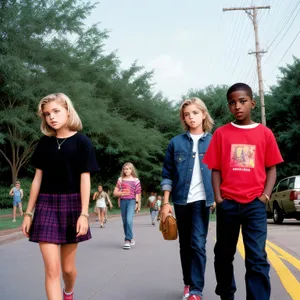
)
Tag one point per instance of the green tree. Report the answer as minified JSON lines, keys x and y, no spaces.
{"x":283,"y":116}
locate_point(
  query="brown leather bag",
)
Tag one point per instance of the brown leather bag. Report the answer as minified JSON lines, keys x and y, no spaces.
{"x":169,"y":228}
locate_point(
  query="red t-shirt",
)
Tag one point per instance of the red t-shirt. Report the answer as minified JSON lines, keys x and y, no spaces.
{"x":242,"y":155}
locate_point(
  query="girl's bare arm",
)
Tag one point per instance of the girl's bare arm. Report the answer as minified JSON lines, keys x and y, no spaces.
{"x":34,"y":190}
{"x":85,"y":190}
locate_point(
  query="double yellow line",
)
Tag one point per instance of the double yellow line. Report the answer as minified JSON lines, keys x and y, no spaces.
{"x":277,"y":258}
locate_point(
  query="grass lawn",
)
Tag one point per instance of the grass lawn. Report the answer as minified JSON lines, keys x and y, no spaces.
{"x":213,"y":217}
{"x":7,"y":223}
{"x":6,"y":211}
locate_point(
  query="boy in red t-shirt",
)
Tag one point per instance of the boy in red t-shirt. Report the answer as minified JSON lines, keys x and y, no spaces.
{"x":243,"y":156}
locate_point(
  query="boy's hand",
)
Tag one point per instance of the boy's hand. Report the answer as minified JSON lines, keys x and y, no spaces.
{"x":219,"y":200}
{"x":213,"y":208}
{"x":165,"y":211}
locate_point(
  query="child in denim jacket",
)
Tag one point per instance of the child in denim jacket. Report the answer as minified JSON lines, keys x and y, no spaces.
{"x":189,"y":180}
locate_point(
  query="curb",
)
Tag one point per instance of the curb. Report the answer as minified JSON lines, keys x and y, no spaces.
{"x":11,"y":235}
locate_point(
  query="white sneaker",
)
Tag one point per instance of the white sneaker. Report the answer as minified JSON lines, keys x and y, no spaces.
{"x":127,"y":245}
{"x":132,"y":243}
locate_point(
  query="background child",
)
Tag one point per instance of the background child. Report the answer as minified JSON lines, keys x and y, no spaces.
{"x":101,"y":198}
{"x":189,"y":179}
{"x":152,"y":203}
{"x":17,"y":194}
{"x":243,"y":157}
{"x":60,"y":193}
{"x":128,"y":189}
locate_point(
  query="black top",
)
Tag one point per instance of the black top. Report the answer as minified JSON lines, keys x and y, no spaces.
{"x":62,"y":167}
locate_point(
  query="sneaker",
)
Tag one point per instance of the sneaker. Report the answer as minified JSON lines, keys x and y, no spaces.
{"x":132,"y":242}
{"x":127,"y":245}
{"x":153,"y":223}
{"x":105,"y":220}
{"x":194,"y":297}
{"x":101,"y":226}
{"x":68,"y":296}
{"x":186,"y":292}
{"x":14,"y":220}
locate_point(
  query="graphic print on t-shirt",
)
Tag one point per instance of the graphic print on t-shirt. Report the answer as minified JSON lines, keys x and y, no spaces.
{"x":242,"y":157}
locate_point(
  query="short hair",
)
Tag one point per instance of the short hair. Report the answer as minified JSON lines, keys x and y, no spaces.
{"x":131,"y":166}
{"x":208,"y":122}
{"x":73,"y":123}
{"x":17,"y":182}
{"x":240,"y":87}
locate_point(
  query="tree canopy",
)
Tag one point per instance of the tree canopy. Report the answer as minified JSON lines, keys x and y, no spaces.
{"x":46,"y":47}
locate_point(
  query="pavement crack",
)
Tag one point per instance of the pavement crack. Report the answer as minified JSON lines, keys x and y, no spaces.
{"x":108,"y":281}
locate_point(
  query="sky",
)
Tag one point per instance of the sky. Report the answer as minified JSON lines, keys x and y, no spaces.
{"x":191,"y":44}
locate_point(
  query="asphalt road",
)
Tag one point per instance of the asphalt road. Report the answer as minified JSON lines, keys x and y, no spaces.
{"x":149,"y":271}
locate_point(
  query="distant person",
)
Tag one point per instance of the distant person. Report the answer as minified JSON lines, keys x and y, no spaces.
{"x":101,"y":198}
{"x":17,"y":193}
{"x":159,"y":201}
{"x":189,"y":180}
{"x":154,"y":209}
{"x":243,"y":156}
{"x":128,"y":189}
{"x":60,"y":193}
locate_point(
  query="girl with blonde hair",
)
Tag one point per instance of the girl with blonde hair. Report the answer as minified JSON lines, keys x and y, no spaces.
{"x":128,"y":189}
{"x":60,"y":192}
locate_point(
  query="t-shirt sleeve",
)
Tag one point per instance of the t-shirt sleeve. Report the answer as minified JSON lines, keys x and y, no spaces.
{"x":119,"y":184}
{"x":88,"y":158}
{"x":138,"y":187}
{"x":272,"y":154}
{"x":212,"y":157}
{"x":38,"y":157}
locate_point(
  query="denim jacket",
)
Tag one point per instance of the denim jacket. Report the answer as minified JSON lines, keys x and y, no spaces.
{"x":179,"y":164}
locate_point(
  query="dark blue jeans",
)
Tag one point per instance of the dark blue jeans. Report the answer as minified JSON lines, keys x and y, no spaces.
{"x":251,"y":218}
{"x":192,"y":223}
{"x":127,"y":212}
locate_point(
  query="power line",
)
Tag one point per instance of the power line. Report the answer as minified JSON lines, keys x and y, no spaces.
{"x":287,"y":50}
{"x":284,"y":33}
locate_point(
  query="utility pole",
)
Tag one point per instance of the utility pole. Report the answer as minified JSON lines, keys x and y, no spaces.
{"x":252,"y":13}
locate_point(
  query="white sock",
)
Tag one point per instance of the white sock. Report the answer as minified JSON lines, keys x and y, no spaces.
{"x":68,"y":293}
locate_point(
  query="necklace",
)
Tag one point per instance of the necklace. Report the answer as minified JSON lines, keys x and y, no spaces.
{"x":59,"y":144}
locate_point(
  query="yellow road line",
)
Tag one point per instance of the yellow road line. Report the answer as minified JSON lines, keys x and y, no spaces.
{"x":291,"y":259}
{"x":289,"y":281}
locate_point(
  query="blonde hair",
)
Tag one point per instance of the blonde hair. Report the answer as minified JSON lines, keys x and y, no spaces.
{"x":73,"y":123}
{"x":17,"y":182}
{"x":207,"y":123}
{"x":131,"y":166}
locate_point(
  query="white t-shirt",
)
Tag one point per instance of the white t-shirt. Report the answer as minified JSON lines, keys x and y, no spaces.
{"x":196,"y":191}
{"x":151,"y":198}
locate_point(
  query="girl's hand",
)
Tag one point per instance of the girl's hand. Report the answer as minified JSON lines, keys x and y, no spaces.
{"x":110,"y":206}
{"x":119,"y":205}
{"x":26,"y":225}
{"x":137,"y":208}
{"x":126,"y":192}
{"x":82,"y":226}
{"x":165,"y":210}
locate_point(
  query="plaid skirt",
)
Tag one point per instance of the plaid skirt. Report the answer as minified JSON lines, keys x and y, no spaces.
{"x":55,"y":219}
